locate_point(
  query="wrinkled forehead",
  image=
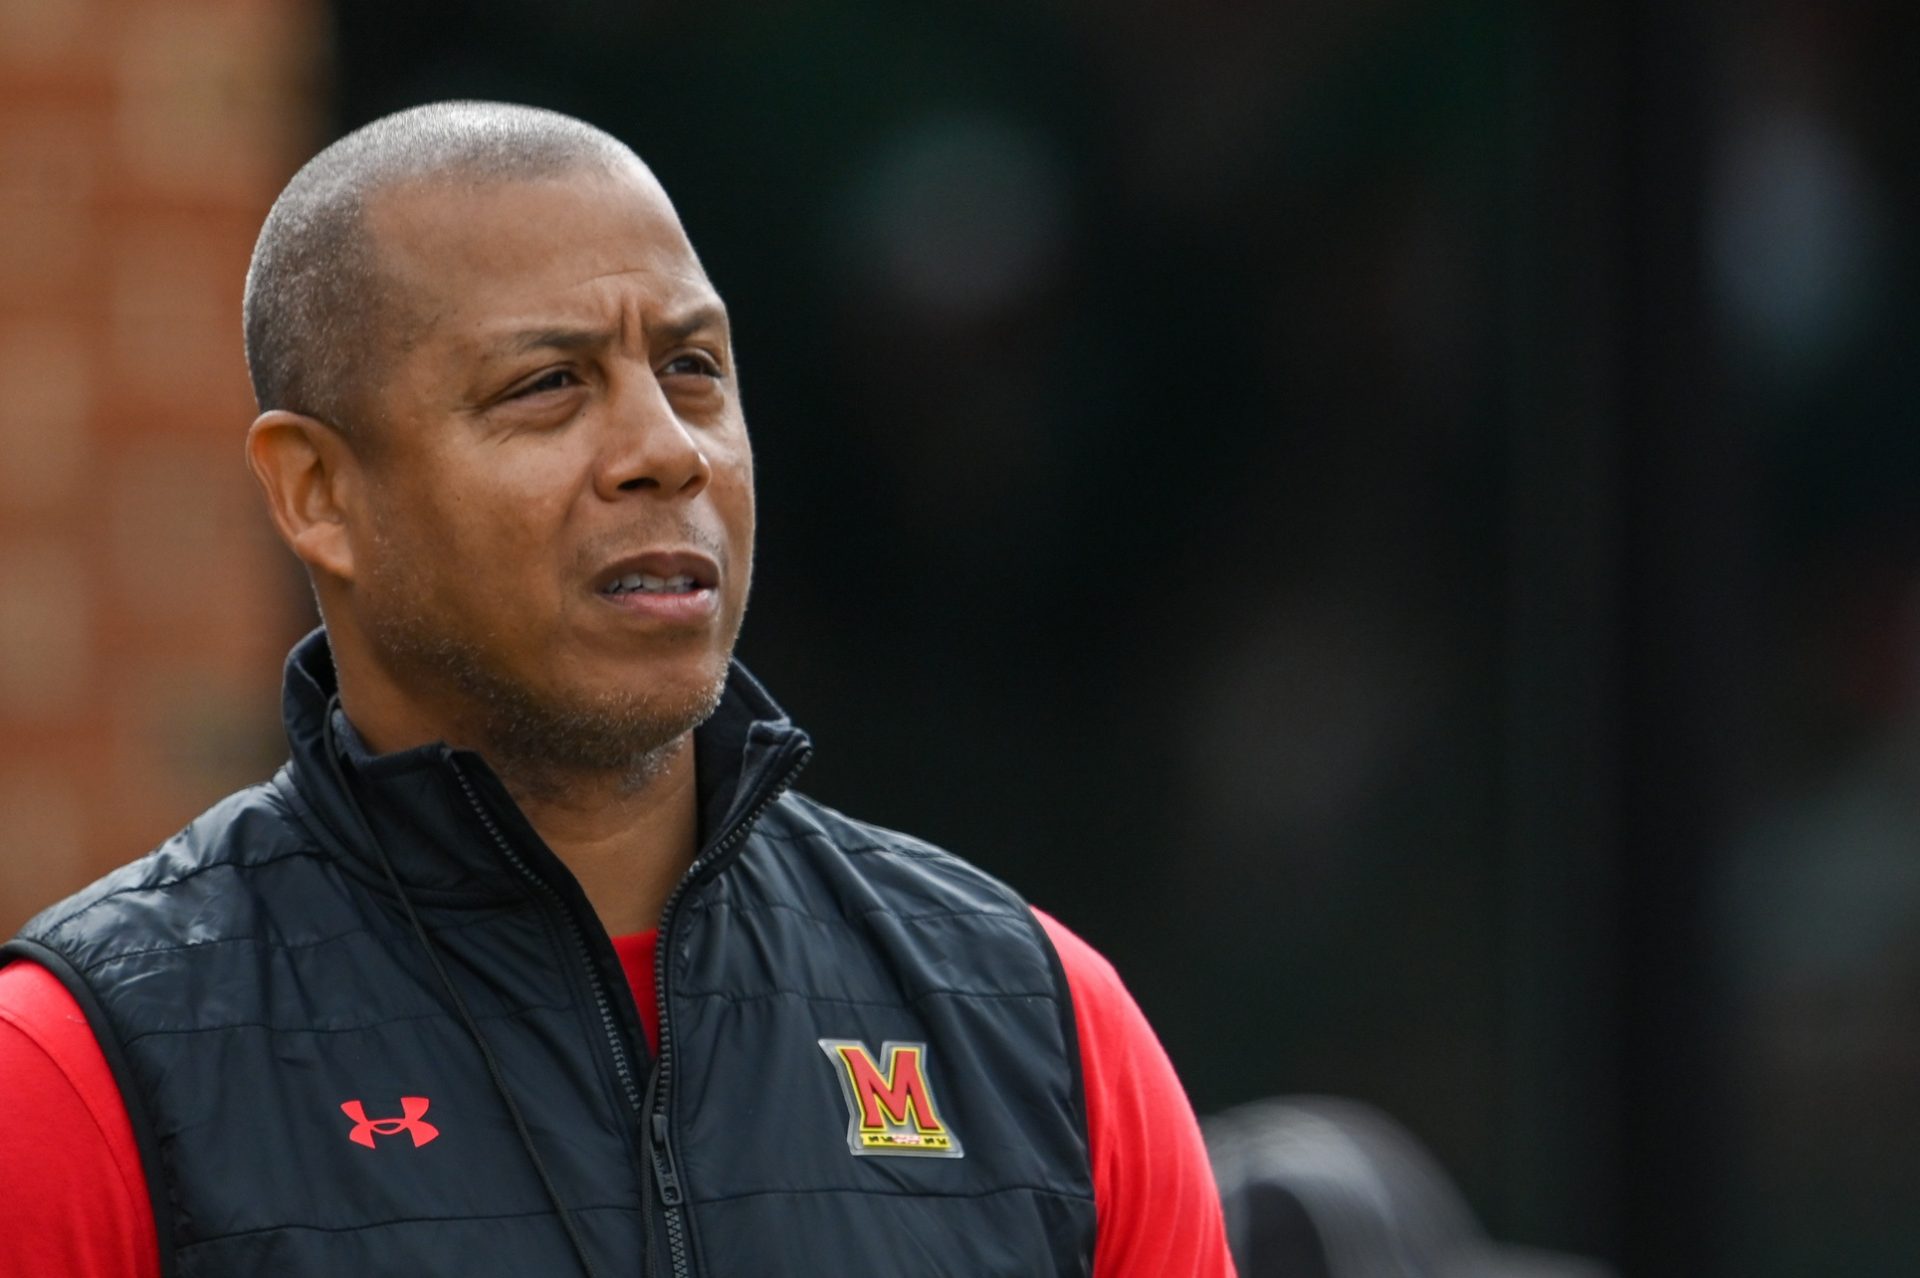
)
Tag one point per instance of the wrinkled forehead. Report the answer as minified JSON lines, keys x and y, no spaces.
{"x":456,"y":252}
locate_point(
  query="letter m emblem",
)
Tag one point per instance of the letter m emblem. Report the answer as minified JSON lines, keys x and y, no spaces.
{"x":890,"y":1109}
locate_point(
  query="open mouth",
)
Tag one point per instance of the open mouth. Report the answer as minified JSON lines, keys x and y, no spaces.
{"x":675,"y":579}
{"x":647,"y":584}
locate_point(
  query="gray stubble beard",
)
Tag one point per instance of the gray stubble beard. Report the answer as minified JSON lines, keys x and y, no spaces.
{"x":540,"y":744}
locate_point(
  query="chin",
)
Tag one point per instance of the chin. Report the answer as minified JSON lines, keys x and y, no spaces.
{"x":680,"y":680}
{"x":674,"y":697}
{"x":604,"y":729}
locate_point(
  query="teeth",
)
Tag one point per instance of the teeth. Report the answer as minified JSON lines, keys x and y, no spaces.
{"x":649,"y":584}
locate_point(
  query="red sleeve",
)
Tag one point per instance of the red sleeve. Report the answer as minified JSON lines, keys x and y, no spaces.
{"x":73,"y":1197}
{"x":1153,"y":1189}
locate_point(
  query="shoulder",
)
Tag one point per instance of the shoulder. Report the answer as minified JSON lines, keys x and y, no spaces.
{"x":1092,"y":977}
{"x":916,"y":873}
{"x":1115,"y":1038}
{"x":70,"y":1171}
{"x":166,"y":890}
{"x":934,"y":920}
{"x":1158,"y":1208}
{"x":39,"y":1018}
{"x":48,"y":1053}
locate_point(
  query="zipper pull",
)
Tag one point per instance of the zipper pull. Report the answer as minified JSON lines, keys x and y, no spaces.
{"x":663,"y":1163}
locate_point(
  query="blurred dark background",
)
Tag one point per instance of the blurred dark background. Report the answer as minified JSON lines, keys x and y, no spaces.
{"x":1395,"y":520}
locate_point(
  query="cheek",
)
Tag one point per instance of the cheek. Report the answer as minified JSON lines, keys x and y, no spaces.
{"x":745,"y":503}
{"x":510,"y":499}
{"x":735,"y":502}
{"x":733,"y":487}
{"x":473,"y":525}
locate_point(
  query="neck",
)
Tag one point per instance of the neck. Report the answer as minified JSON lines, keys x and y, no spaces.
{"x":627,"y":837}
{"x":627,"y":834}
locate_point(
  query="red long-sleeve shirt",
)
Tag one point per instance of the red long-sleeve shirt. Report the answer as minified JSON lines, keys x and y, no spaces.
{"x":73,"y":1196}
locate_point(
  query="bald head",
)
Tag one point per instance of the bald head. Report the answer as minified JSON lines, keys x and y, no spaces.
{"x":320,"y":309}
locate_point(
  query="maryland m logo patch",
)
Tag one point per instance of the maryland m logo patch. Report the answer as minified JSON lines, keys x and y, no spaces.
{"x":890,"y":1110}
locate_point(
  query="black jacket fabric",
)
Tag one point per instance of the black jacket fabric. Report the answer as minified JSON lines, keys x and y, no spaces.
{"x":309,"y":1100}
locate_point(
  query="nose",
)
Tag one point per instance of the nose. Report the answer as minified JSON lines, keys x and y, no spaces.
{"x":649,"y":447}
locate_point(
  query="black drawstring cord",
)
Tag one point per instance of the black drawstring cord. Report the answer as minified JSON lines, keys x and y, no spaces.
{"x":453,"y":993}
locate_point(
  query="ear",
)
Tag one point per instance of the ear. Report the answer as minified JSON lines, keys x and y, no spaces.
{"x":311,"y":479}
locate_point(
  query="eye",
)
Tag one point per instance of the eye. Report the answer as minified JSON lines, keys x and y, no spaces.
{"x":693,"y":364}
{"x":552,"y":380}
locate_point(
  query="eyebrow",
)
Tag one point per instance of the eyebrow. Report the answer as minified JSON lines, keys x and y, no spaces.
{"x":678,"y":328}
{"x":669,"y":332}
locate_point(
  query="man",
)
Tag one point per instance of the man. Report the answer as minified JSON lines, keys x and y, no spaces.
{"x":529,"y":961}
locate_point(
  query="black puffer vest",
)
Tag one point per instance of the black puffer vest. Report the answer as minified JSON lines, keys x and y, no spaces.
{"x":867,"y":1061}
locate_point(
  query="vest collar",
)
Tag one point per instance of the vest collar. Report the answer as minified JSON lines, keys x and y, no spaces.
{"x":442,"y":814}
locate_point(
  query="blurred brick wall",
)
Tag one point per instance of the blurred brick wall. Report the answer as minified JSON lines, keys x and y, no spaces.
{"x":144,"y":606}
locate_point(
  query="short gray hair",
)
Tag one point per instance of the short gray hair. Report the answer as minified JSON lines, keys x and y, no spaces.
{"x":317,"y":306}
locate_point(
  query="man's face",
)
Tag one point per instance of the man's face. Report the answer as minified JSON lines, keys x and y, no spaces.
{"x":558,"y":537}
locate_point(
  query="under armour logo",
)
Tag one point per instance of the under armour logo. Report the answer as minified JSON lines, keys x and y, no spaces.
{"x":411,"y":1107}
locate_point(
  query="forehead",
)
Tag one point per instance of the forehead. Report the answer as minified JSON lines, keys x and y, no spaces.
{"x":463,"y":255}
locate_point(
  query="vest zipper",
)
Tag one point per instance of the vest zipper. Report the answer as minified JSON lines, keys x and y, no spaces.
{"x":671,"y":1196}
{"x":652,"y":1111}
{"x":621,"y":1065}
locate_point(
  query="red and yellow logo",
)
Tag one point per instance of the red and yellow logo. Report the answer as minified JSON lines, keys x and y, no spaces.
{"x":890,"y":1110}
